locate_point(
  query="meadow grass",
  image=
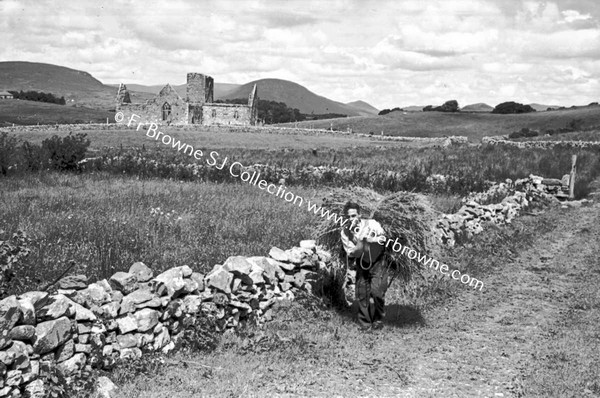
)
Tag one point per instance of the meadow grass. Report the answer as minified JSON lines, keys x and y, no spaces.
{"x":309,"y":350}
{"x":379,"y":168}
{"x":375,"y":162}
{"x":35,"y":112}
{"x":586,"y":136}
{"x":105,"y":223}
{"x":215,"y":137}
{"x":472,"y":125}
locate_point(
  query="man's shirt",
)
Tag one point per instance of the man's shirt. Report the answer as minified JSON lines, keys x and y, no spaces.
{"x":367,"y":228}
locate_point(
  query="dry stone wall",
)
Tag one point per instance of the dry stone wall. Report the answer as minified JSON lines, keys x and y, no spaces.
{"x":84,"y":325}
{"x":503,"y":140}
{"x":470,"y":218}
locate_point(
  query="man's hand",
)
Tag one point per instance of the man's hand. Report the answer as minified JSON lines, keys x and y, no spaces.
{"x":358,"y":249}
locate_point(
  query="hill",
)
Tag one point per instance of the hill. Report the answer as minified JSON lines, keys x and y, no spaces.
{"x":479,"y":107}
{"x":365,"y":109}
{"x":78,"y":87}
{"x":542,"y":107}
{"x":33,"y":112}
{"x":294,"y":96}
{"x":473,"y":125}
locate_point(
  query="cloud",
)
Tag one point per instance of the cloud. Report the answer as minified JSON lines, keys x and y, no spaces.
{"x":388,"y":53}
{"x":573,"y":15}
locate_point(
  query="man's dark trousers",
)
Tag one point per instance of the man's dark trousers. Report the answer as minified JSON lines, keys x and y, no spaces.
{"x":371,"y":283}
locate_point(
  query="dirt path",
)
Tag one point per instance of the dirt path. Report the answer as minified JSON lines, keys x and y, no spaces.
{"x":485,"y":340}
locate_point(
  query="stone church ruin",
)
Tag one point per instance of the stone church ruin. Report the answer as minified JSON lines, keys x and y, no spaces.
{"x":197,"y":108}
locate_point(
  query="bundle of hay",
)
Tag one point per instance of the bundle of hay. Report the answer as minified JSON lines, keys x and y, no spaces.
{"x":403,"y":215}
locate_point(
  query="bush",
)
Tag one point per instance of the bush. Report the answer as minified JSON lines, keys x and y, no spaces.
{"x":38,"y":96}
{"x":386,"y":111}
{"x":449,"y":106}
{"x":525,"y":132}
{"x":575,"y":125}
{"x":8,"y":152}
{"x":65,"y":153}
{"x":512,"y":107}
{"x":13,"y":249}
{"x":33,"y":157}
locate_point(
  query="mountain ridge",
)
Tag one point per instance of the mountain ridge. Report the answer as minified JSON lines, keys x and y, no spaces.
{"x":293,"y":95}
{"x":80,"y":88}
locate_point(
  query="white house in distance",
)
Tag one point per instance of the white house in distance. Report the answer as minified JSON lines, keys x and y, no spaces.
{"x":5,"y":95}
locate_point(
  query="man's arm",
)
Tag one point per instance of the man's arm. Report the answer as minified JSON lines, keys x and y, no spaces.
{"x":351,"y":249}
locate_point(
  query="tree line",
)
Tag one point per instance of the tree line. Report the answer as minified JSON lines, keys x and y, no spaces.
{"x":272,"y":112}
{"x":38,"y":96}
{"x":452,"y":106}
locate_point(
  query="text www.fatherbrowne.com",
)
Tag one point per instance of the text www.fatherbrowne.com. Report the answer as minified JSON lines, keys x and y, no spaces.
{"x":238,"y":170}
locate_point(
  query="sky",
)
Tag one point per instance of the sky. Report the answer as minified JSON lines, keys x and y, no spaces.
{"x":387,"y":53}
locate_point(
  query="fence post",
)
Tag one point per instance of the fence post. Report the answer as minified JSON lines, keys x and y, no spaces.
{"x":572,"y":177}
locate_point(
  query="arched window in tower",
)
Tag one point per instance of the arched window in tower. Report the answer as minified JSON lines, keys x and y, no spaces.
{"x":166,"y":111}
{"x":235,"y":114}
{"x":213,"y":113}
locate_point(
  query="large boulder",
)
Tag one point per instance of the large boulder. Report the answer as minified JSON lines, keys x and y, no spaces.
{"x":278,"y":254}
{"x":75,"y":282}
{"x":146,"y":319}
{"x":283,"y":265}
{"x":65,"y":351}
{"x":172,"y":280}
{"x":28,"y":311}
{"x":199,"y":279}
{"x":141,"y":271}
{"x":220,"y":279}
{"x":72,"y":365}
{"x":59,"y":306}
{"x":271,"y":268}
{"x":237,"y":265}
{"x":139,"y":296}
{"x":22,"y":332}
{"x":51,"y":334}
{"x":10,"y":314}
{"x":21,"y":359}
{"x":308,"y":244}
{"x":36,"y":297}
{"x":96,"y":293}
{"x":127,"y":324}
{"x":82,"y":313}
{"x":124,"y":282}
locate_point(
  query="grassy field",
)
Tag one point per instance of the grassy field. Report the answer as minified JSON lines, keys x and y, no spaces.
{"x":105,"y":223}
{"x":207,"y":137}
{"x":526,"y":337}
{"x":384,"y":166}
{"x":32,"y":112}
{"x":472,"y":125}
{"x":379,"y":168}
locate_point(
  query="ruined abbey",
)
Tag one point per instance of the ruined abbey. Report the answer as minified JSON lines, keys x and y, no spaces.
{"x":197,"y":108}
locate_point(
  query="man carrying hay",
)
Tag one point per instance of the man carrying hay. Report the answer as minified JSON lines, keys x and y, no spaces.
{"x":362,"y":243}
